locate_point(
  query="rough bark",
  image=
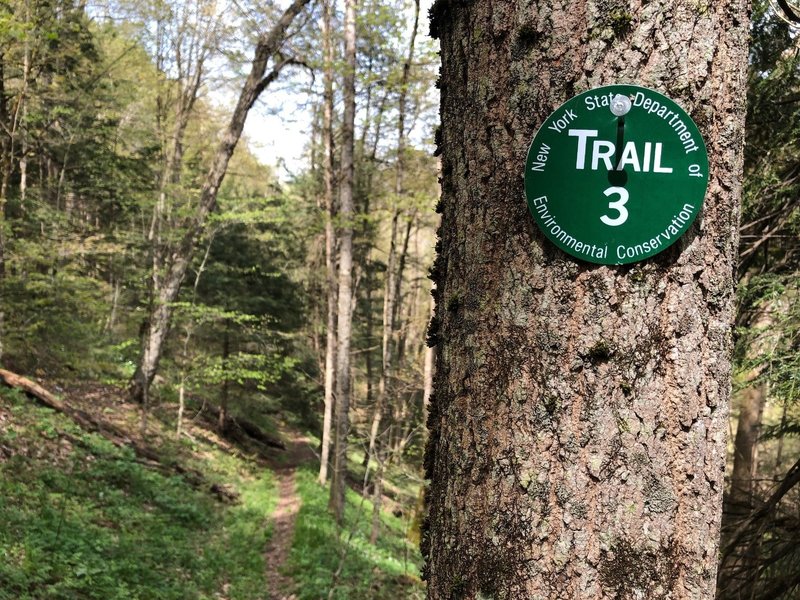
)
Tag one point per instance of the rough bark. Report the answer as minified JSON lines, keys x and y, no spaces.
{"x":344,"y":309}
{"x":427,"y":373}
{"x":178,"y":262}
{"x":579,"y":412}
{"x":330,"y":241}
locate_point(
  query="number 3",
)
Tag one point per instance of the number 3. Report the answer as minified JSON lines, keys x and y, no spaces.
{"x":617,"y":205}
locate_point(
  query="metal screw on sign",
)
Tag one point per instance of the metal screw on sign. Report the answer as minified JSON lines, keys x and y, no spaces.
{"x":620,"y":105}
{"x":788,"y":10}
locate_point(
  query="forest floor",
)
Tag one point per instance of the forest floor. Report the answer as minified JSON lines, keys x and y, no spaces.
{"x":121,"y":511}
{"x":298,"y":452}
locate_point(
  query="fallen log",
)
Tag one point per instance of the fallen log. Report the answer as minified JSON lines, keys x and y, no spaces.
{"x":236,"y":427}
{"x":82,"y":418}
{"x":116,"y":435}
{"x":34,"y":389}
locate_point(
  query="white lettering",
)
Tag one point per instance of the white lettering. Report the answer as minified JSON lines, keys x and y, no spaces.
{"x":582,"y":135}
{"x":648,"y":148}
{"x":629,"y":157}
{"x":657,"y":168}
{"x":598,"y":155}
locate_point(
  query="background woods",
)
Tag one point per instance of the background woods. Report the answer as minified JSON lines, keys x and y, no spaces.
{"x":234,"y":354}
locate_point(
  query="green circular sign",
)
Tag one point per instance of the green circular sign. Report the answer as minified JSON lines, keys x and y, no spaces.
{"x":616,"y":174}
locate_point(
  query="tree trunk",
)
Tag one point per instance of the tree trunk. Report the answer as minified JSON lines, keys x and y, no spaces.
{"x":112,"y":317}
{"x":394,"y":275}
{"x":377,"y":503}
{"x":178,"y":262}
{"x":222,"y":418}
{"x":399,"y":400}
{"x":344,"y":317}
{"x":330,"y":241}
{"x":386,"y":348}
{"x":6,"y":166}
{"x":738,"y":571}
{"x":579,"y":412}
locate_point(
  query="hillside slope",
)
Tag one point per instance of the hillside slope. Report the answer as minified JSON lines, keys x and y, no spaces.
{"x":84,"y":516}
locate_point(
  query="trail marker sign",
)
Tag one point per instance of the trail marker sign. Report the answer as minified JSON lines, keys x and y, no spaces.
{"x":616,"y":174}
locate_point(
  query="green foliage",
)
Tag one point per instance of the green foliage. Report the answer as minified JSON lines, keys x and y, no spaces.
{"x":767,"y":356}
{"x":387,"y":570}
{"x":85,"y":168}
{"x":85,"y":519}
{"x":64,"y":117}
{"x":247,"y":309}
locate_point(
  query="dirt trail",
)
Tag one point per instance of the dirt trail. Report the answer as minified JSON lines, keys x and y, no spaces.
{"x":298,"y":452}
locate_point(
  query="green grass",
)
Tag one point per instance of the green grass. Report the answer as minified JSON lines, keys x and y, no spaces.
{"x":387,"y":570}
{"x":83,"y":519}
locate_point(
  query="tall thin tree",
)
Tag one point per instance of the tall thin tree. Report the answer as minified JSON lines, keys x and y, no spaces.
{"x":394,"y":274}
{"x":345,"y":300}
{"x":330,"y":237}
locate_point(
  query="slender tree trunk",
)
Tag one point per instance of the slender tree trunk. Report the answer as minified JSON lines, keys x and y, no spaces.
{"x":330,"y":241}
{"x":393,"y":275}
{"x":5,"y":174}
{"x":181,"y":405}
{"x":23,"y":160}
{"x":369,"y":273}
{"x":222,"y":418}
{"x":187,"y":341}
{"x":399,"y":400}
{"x":738,"y":570}
{"x":6,"y":165}
{"x":377,"y":502}
{"x":344,"y":316}
{"x":579,"y":412}
{"x":404,"y":323}
{"x":369,"y":328}
{"x":112,"y":317}
{"x":386,"y":345}
{"x":177,"y":264}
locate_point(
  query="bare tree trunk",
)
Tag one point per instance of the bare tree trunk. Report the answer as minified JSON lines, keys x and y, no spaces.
{"x":579,"y":412}
{"x":178,"y":262}
{"x":181,"y":405}
{"x":393,"y":274}
{"x":5,"y":175}
{"x":187,"y":340}
{"x":411,"y":304}
{"x":5,"y":145}
{"x":386,"y":344}
{"x":330,"y":241}
{"x":222,"y":417}
{"x":738,"y":570}
{"x":112,"y":317}
{"x":377,"y":502}
{"x":399,"y":400}
{"x":344,"y":317}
